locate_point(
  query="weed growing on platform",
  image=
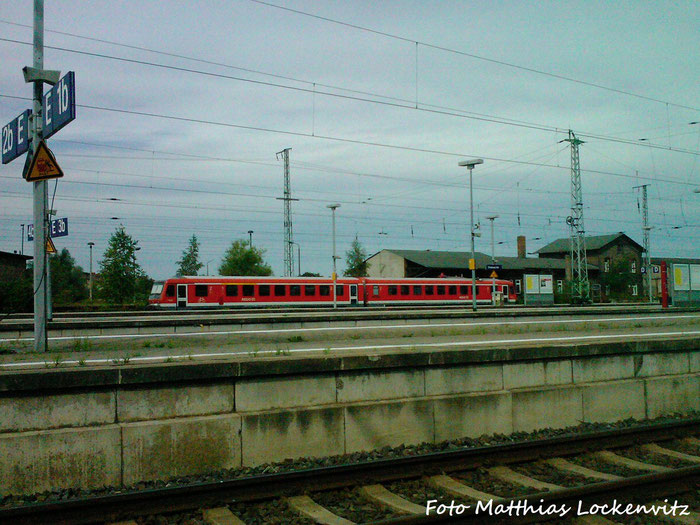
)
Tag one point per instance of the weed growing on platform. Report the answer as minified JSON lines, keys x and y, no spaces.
{"x":81,"y":345}
{"x":81,"y":361}
{"x":295,"y":339}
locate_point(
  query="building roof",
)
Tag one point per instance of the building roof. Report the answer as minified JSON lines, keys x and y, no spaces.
{"x":460,"y":260}
{"x":593,"y":243}
{"x":674,"y":260}
{"x":16,"y":256}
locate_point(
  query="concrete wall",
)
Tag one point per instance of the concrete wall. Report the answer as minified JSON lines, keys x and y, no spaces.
{"x":131,"y":424}
{"x":386,"y":264}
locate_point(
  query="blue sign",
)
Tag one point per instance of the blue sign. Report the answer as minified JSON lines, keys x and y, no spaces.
{"x":58,"y":228}
{"x":59,"y":105}
{"x":15,"y":137}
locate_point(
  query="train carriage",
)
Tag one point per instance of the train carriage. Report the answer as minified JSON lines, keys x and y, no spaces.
{"x":224,"y":291}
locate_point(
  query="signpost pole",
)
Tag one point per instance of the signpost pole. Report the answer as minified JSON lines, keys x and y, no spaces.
{"x":40,"y":193}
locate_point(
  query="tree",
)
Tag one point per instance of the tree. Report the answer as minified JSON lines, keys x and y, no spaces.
{"x":121,"y":277}
{"x":355,"y":260}
{"x":310,"y":274}
{"x":189,"y":264}
{"x":619,"y":278}
{"x":16,"y":292}
{"x":243,"y":259}
{"x":68,"y":283}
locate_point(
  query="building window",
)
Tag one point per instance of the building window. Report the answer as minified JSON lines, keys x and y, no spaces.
{"x":560,"y":286}
{"x":634,"y":267}
{"x":518,"y":286}
{"x":635,"y":289}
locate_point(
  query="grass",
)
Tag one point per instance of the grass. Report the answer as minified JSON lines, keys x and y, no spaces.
{"x":295,"y":339}
{"x":81,"y":345}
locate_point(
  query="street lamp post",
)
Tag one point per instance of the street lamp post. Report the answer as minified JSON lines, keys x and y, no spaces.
{"x":493,"y":259}
{"x":91,"y":244}
{"x":250,"y":237}
{"x":298,"y":257}
{"x":333,"y":207}
{"x":469,"y":164}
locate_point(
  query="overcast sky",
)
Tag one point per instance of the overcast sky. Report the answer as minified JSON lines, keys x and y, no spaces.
{"x":181,"y":110}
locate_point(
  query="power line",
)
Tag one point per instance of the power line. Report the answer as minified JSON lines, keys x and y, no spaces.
{"x":474,"y":56}
{"x":420,"y":108}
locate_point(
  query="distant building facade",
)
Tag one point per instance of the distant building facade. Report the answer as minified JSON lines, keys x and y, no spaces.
{"x":605,"y":254}
{"x":12,"y":265}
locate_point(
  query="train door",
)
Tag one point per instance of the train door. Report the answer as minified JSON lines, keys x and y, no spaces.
{"x":181,"y":295}
{"x":353,"y":294}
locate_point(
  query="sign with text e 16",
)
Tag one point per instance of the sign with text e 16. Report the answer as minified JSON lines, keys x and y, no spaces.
{"x":15,"y":137}
{"x":59,"y":105}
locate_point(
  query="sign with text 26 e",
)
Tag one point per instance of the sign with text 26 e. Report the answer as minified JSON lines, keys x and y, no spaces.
{"x":15,"y":137}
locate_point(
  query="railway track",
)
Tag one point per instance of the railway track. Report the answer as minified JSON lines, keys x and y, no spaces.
{"x":638,"y":465}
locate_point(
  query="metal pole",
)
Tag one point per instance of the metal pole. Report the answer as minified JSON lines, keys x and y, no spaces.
{"x":91,"y":244}
{"x":250,"y":241}
{"x":21,"y":250}
{"x":40,"y":192}
{"x":471,"y":212}
{"x":492,"y":218}
{"x":335,"y":275}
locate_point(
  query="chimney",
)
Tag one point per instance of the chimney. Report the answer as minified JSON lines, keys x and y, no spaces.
{"x":521,"y":247}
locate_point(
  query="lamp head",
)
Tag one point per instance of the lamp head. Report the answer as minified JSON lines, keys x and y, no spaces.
{"x":470,"y":163}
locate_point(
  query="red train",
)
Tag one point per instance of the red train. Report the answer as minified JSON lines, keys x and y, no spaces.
{"x":182,"y":292}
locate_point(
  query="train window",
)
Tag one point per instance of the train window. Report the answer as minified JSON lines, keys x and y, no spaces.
{"x":264,"y":290}
{"x":452,"y":290}
{"x":405,"y":290}
{"x":441,"y":290}
{"x":309,"y":289}
{"x":295,"y":289}
{"x":429,"y":290}
{"x":393,"y":290}
{"x":200,"y":290}
{"x":279,"y":290}
{"x":231,"y":290}
{"x":417,"y":290}
{"x":375,"y":290}
{"x":463,"y":290}
{"x":324,"y":290}
{"x":248,"y":290}
{"x":339,"y":290}
{"x":170,"y":291}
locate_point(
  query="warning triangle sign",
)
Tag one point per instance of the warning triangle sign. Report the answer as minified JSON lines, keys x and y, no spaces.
{"x":494,"y":274}
{"x":43,"y":165}
{"x":50,"y":246}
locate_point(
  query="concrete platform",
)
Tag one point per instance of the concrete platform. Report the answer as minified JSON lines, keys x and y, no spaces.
{"x":120,"y":424}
